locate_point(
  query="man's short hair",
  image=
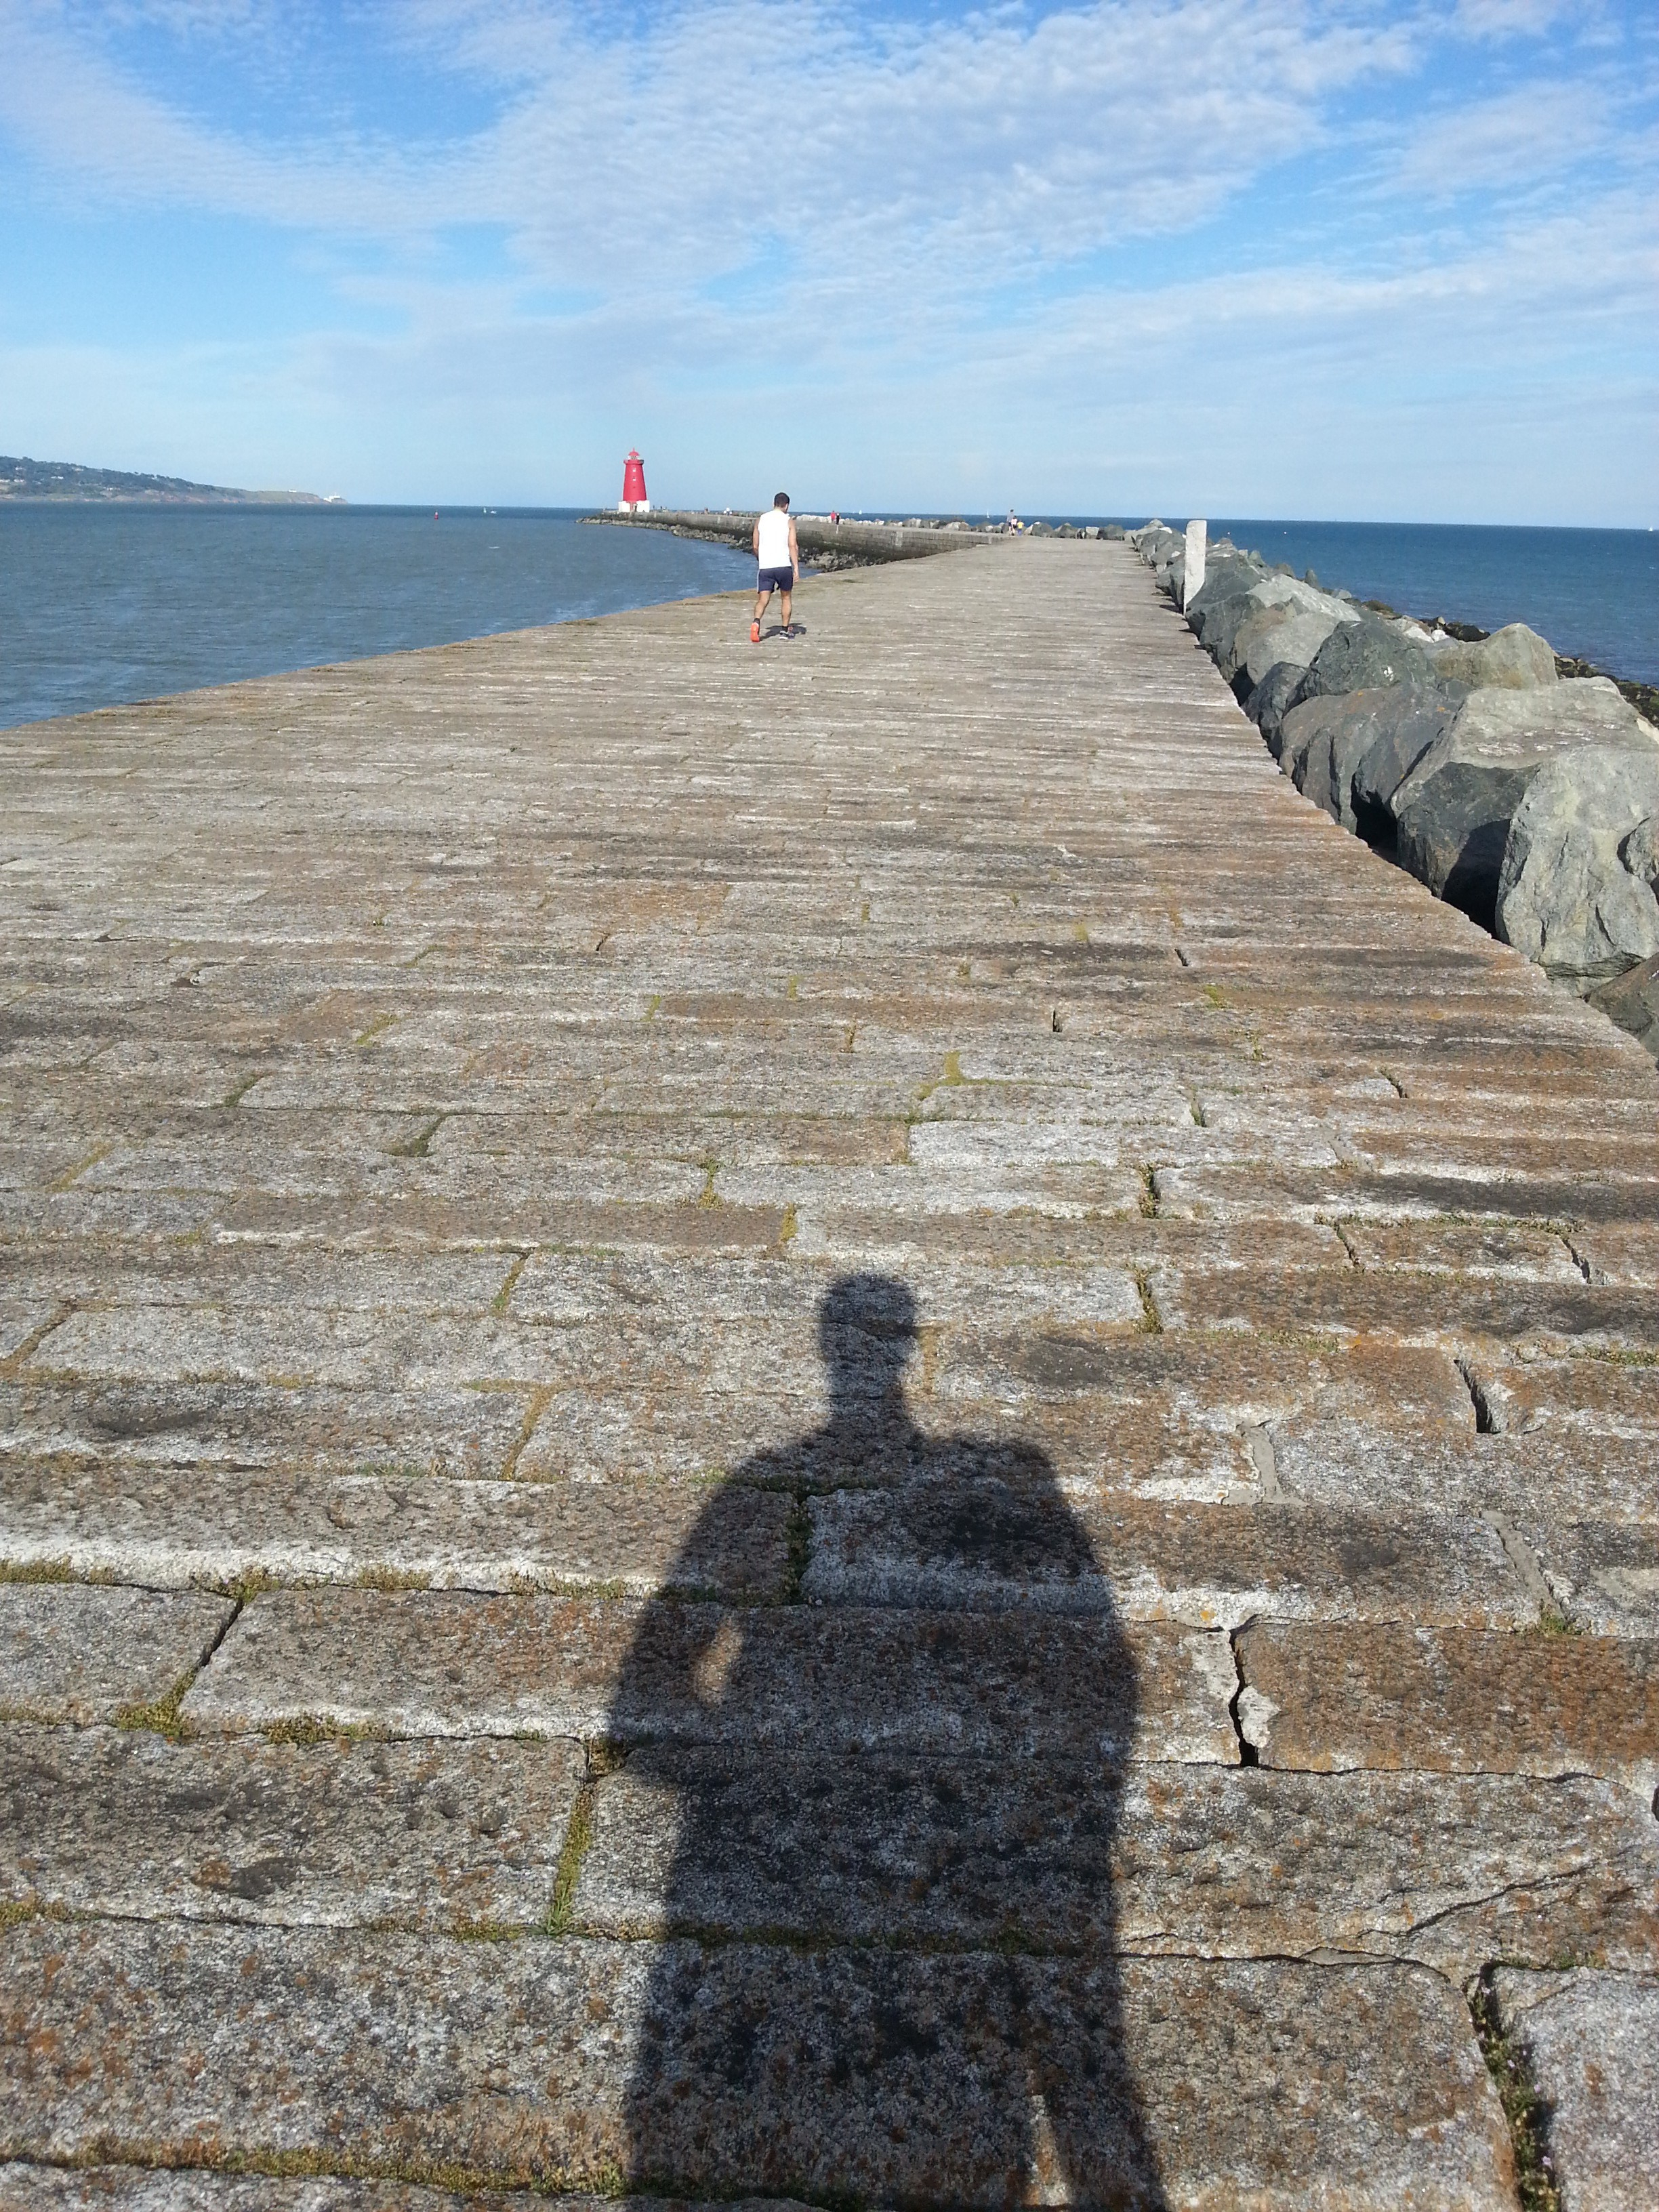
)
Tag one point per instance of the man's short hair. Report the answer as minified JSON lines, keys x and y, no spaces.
{"x":780,"y":499}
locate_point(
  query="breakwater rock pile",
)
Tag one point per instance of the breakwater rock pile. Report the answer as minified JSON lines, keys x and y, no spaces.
{"x":1527,"y":797}
{"x":824,"y":543}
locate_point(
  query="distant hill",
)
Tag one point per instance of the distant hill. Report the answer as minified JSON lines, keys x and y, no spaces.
{"x":21,"y":479}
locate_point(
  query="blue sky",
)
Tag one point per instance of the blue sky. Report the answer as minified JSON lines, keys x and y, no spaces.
{"x":1257,"y":256}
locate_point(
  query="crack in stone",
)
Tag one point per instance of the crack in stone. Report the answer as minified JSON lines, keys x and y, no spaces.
{"x":1575,"y":1255}
{"x":1487,"y":1422}
{"x":1348,"y":1246}
{"x":1248,"y":1754}
{"x":1526,"y":2112}
{"x":70,"y":1176}
{"x":537,"y":1405}
{"x":13,"y":1362}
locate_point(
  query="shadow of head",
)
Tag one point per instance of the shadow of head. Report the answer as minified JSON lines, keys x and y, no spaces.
{"x":866,"y":1337}
{"x":987,"y":1508}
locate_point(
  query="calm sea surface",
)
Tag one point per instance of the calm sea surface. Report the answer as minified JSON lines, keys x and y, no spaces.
{"x":99,"y":606}
{"x":1593,"y":593}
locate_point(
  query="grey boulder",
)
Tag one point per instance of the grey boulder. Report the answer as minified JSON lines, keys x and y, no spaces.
{"x":1273,"y":602}
{"x":1454,"y":810}
{"x":1306,"y":723}
{"x":1632,"y":1000}
{"x":1514,"y":658}
{"x":1326,"y":743}
{"x":1221,"y":619}
{"x":1640,"y":854}
{"x":1226,"y":588}
{"x":1266,"y":703}
{"x":1285,"y":632}
{"x":1225,"y":573}
{"x":1366,"y":655}
{"x":1404,"y":730}
{"x":1567,"y":896}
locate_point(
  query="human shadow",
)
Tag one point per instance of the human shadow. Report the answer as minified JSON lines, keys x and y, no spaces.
{"x":873,"y":1828}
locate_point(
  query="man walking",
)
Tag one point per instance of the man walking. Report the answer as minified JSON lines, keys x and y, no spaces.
{"x":778,"y":552}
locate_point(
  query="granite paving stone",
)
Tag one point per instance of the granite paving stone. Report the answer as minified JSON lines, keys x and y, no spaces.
{"x":143,"y":1527}
{"x":27,"y":2188}
{"x":1051,"y":1856}
{"x":883,"y":2076}
{"x":658,"y":1429}
{"x":339,"y":1833}
{"x":1425,"y":1304}
{"x":1617,"y":1252}
{"x":342,"y":1347}
{"x":135,"y":1424}
{"x":1604,"y":1576}
{"x":228,"y":1272}
{"x":840,"y":1678}
{"x":20,"y":1324}
{"x":511,"y":1223}
{"x":1451,"y":1700}
{"x":1058,"y":1286}
{"x":1590,"y":2040}
{"x":75,"y":1651}
{"x":1598,"y":1400}
{"x":970,"y":1544}
{"x":803,"y":1299}
{"x":1515,"y":1251}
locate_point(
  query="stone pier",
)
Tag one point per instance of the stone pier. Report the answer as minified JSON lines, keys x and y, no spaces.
{"x":831,"y":1424}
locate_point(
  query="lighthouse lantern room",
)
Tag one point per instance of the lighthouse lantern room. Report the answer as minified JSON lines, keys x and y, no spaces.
{"x":634,"y":500}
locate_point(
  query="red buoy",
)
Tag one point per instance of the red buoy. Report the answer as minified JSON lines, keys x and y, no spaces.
{"x":634,"y":500}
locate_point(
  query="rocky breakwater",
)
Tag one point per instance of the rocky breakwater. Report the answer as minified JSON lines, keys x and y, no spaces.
{"x":1527,"y":797}
{"x":824,"y":544}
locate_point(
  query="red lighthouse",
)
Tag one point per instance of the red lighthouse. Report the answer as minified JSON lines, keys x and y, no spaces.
{"x":634,"y":500}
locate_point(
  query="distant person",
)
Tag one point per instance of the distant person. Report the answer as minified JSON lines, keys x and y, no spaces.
{"x":778,"y":552}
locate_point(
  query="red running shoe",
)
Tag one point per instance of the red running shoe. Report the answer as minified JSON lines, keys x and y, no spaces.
{"x":753,"y":633}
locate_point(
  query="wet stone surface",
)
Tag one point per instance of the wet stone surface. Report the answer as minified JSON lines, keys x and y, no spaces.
{"x":829,"y":1424}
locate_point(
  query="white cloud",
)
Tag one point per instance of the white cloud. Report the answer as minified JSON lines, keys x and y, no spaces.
{"x":961,"y":259}
{"x":953,"y":153}
{"x":114,"y":144}
{"x":948,"y":152}
{"x":1520,"y":138}
{"x":1513,"y":19}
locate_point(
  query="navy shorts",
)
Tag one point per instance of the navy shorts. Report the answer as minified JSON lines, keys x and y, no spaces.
{"x":777,"y":580}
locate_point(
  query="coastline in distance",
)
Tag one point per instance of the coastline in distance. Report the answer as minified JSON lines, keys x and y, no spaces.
{"x":21,"y":479}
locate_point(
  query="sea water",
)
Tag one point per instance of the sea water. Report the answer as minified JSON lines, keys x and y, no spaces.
{"x":1593,"y":593}
{"x":102,"y":605}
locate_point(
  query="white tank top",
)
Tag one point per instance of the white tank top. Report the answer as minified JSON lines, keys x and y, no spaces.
{"x":774,"y":538}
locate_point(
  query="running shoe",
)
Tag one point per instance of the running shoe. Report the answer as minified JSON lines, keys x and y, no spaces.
{"x":753,"y":633}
